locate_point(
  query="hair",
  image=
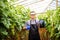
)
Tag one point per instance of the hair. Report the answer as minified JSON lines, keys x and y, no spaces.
{"x":32,"y":12}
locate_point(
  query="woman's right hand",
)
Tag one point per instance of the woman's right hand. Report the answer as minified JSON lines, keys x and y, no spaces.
{"x":24,"y":27}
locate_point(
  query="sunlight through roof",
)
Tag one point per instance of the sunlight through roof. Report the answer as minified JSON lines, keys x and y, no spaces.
{"x":35,"y":5}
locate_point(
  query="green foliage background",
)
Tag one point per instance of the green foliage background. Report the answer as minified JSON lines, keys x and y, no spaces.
{"x":12,"y":19}
{"x":52,"y":18}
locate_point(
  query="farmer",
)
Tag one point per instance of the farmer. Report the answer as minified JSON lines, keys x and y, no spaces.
{"x":33,"y":30}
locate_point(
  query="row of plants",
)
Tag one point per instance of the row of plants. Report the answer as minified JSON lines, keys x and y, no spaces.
{"x":52,"y":19}
{"x":12,"y":20}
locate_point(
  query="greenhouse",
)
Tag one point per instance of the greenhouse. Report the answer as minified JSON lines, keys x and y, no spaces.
{"x":29,"y":19}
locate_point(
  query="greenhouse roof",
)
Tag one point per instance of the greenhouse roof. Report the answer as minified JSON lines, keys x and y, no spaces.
{"x":37,"y":5}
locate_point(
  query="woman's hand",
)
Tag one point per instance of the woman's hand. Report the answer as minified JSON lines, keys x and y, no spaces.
{"x":24,"y":27}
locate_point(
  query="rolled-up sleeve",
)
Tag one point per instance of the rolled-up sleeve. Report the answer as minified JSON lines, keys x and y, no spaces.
{"x":37,"y":21}
{"x":27,"y":23}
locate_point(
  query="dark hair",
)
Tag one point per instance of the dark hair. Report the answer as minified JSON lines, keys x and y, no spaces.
{"x":32,"y":12}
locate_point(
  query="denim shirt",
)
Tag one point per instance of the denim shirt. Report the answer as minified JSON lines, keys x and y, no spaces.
{"x":32,"y":22}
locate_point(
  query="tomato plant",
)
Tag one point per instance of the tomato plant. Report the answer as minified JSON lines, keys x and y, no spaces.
{"x":52,"y":18}
{"x":12,"y":19}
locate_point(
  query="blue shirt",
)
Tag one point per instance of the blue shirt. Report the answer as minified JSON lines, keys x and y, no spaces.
{"x":27,"y":24}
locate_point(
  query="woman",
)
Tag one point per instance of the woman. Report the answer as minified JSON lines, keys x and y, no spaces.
{"x":33,"y":32}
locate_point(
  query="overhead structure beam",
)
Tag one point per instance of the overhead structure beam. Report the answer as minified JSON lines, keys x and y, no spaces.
{"x":38,"y":7}
{"x":14,"y":3}
{"x":48,"y":5}
{"x":27,"y":2}
{"x":35,"y":4}
{"x":30,"y":3}
{"x":56,"y":3}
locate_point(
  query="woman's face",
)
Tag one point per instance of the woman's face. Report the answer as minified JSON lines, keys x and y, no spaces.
{"x":33,"y":16}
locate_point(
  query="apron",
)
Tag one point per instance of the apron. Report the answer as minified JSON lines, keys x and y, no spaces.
{"x":33,"y":32}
